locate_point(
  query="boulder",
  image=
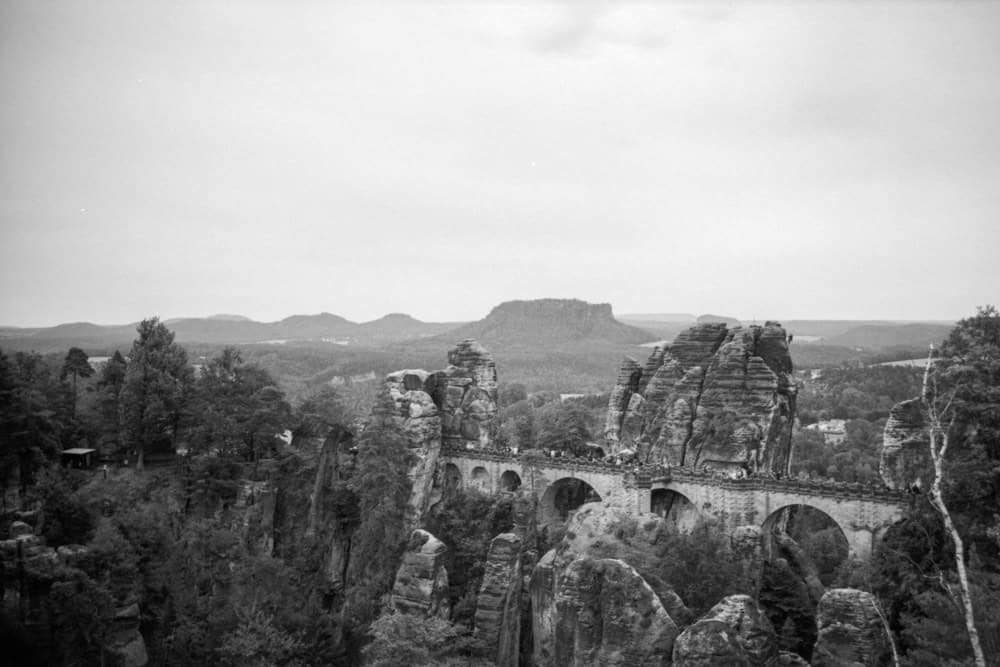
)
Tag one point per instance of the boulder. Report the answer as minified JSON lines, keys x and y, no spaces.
{"x":788,"y":659}
{"x":19,"y":528}
{"x":850,"y":631}
{"x":126,"y":649}
{"x":421,"y":586}
{"x":905,"y":461}
{"x":733,"y":632}
{"x":498,"y":605}
{"x":606,"y":614}
{"x":580,"y":592}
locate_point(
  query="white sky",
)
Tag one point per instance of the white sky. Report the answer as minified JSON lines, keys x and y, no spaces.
{"x":807,"y":160}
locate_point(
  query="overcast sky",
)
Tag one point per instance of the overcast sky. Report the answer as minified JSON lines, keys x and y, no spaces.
{"x":790,"y":160}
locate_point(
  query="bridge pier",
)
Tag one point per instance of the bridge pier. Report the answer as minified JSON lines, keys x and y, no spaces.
{"x":644,"y":500}
{"x":860,"y":543}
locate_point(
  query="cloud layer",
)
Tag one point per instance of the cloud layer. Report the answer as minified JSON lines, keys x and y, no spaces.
{"x":268,"y":158}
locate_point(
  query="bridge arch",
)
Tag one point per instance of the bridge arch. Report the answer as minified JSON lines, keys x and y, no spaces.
{"x":823,"y":539}
{"x":480,"y":479}
{"x":675,"y":507}
{"x":451,"y":479}
{"x":510,"y":481}
{"x":563,"y":496}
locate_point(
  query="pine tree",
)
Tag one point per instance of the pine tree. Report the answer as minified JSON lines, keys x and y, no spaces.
{"x":382,"y":484}
{"x":76,"y":365}
{"x":239,"y":408}
{"x":157,"y":384}
{"x":110,"y":385}
{"x":29,"y":427}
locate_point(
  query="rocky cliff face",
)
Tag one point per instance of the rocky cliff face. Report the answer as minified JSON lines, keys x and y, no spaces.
{"x":850,"y":631}
{"x":31,"y":571}
{"x":498,"y":605}
{"x":126,"y":647}
{"x":790,"y":591}
{"x":733,"y":632}
{"x":606,"y":614}
{"x":456,"y":407}
{"x":590,"y":607}
{"x":719,"y":397}
{"x":905,"y":460}
{"x":421,"y":586}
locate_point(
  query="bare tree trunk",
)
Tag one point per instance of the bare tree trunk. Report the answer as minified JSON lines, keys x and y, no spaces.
{"x":885,"y":626}
{"x":940,"y":434}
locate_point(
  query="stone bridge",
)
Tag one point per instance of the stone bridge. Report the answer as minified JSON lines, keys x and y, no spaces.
{"x":863,"y":513}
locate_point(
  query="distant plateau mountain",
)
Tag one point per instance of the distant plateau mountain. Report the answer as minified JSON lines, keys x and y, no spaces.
{"x":545,"y":322}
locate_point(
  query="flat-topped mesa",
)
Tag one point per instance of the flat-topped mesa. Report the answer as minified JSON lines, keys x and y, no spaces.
{"x":456,"y":407}
{"x":718,"y":397}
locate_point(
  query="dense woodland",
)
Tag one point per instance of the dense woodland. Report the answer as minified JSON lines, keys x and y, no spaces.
{"x":167,"y":531}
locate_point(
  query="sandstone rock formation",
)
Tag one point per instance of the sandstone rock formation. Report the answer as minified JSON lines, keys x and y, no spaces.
{"x":591,"y":607}
{"x":19,"y":528}
{"x":748,"y":549}
{"x":126,"y":647}
{"x":905,"y":460}
{"x":256,"y":502}
{"x":719,"y":397}
{"x":788,"y":659}
{"x":51,"y":570}
{"x":608,"y":615}
{"x":850,"y":631}
{"x":455,"y":407}
{"x":498,"y":605}
{"x":421,"y":422}
{"x":421,"y":586}
{"x":733,"y":632}
{"x":791,"y":590}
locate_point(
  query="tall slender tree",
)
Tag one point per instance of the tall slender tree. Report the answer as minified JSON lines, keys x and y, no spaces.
{"x":961,"y":401}
{"x":382,"y":485}
{"x":29,"y":425}
{"x":109,"y":386}
{"x":157,"y":385}
{"x":76,"y":366}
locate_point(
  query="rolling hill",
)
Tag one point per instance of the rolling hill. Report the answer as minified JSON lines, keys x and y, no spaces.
{"x":324,"y":328}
